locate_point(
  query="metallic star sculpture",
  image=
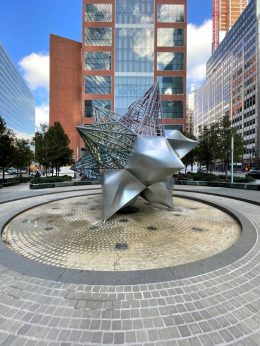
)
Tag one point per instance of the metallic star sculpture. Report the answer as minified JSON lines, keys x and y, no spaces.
{"x":133,"y":155}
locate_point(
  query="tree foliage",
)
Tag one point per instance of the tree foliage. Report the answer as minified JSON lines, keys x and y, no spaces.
{"x":52,"y":147}
{"x":225,"y":134}
{"x":23,"y":154}
{"x":215,"y":144}
{"x":6,"y":146}
{"x":190,"y":158}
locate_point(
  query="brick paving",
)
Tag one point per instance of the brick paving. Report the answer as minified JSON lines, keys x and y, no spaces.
{"x":221,"y":307}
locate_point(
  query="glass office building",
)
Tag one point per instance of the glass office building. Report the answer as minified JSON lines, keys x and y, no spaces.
{"x":224,"y":15}
{"x":17,"y":105}
{"x":232,"y":84}
{"x":129,"y":44}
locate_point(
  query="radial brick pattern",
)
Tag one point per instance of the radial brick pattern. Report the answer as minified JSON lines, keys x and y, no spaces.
{"x":69,"y":234}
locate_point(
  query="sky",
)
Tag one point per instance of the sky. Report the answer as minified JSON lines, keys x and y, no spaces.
{"x":25,"y":27}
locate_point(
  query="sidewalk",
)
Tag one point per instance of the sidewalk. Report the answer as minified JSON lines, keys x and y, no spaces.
{"x":23,"y":191}
{"x":247,"y":195}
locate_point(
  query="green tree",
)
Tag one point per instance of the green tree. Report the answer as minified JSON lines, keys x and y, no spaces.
{"x":224,"y":141}
{"x":208,"y":148}
{"x":6,"y":146}
{"x":41,"y":146}
{"x":23,"y":154}
{"x":52,"y":147}
{"x":59,"y":152}
{"x":190,"y":158}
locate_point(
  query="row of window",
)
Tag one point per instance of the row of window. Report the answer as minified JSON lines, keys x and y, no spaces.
{"x":103,"y":85}
{"x":166,"y":37}
{"x":166,"y":61}
{"x":135,"y":12}
{"x":171,"y":109}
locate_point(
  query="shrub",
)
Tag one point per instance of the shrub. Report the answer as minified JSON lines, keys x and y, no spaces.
{"x":16,"y":180}
{"x":40,"y":180}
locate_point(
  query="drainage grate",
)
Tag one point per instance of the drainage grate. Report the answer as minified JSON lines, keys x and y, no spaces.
{"x":93,"y":228}
{"x":198,"y":229}
{"x":48,"y":228}
{"x":123,"y":220}
{"x":121,"y":246}
{"x":152,"y":228}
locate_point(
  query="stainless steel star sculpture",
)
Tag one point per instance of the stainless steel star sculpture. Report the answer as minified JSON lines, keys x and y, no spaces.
{"x":132,"y":154}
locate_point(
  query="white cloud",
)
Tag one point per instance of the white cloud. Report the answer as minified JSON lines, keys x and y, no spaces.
{"x":24,"y":135}
{"x":199,"y":51}
{"x":36,"y":70}
{"x":41,"y":115}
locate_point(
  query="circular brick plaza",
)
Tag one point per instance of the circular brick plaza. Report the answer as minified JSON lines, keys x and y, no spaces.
{"x":70,"y":233}
{"x":212,"y":301}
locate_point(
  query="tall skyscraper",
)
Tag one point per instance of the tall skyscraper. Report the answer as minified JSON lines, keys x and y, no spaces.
{"x":126,"y":46}
{"x":225,"y":13}
{"x":233,"y":83}
{"x":17,"y":105}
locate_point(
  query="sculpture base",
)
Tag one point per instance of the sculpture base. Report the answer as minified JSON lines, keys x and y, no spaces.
{"x":70,"y":233}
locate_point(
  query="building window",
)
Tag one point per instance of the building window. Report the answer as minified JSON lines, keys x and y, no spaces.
{"x":98,"y":60}
{"x":129,"y":89}
{"x":171,"y":85}
{"x":98,"y":37}
{"x":98,"y":13}
{"x":135,"y":11}
{"x":170,"y":61}
{"x":169,"y":13}
{"x":170,"y":37}
{"x":172,"y":109}
{"x":89,"y":104}
{"x":173,"y":127}
{"x":134,"y":50}
{"x":98,"y":84}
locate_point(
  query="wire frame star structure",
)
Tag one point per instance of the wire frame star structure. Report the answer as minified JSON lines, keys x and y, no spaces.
{"x":132,"y":155}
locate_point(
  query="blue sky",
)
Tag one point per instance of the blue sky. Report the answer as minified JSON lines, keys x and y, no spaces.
{"x":25,"y":26}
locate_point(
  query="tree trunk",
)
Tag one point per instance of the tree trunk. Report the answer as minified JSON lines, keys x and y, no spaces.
{"x":226,"y":171}
{"x":3,"y":173}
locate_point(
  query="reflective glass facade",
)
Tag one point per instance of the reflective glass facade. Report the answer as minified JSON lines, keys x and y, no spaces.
{"x":134,"y":50}
{"x":171,"y":85}
{"x":98,"y":60}
{"x":170,"y":13}
{"x":136,"y":42}
{"x":17,"y":105}
{"x":98,"y":85}
{"x":134,"y":12}
{"x":98,"y":12}
{"x":128,"y":90}
{"x":174,"y":127}
{"x":232,"y":83}
{"x":173,"y":109}
{"x":89,"y":104}
{"x":98,"y":36}
{"x":169,"y":61}
{"x":170,"y":37}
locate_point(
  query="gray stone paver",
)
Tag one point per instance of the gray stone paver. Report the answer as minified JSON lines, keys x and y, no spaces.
{"x":220,"y":307}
